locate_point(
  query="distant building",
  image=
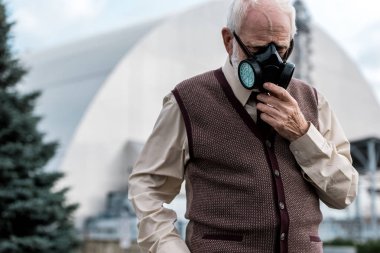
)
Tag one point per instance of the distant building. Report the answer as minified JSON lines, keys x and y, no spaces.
{"x":101,"y":97}
{"x":116,"y":223}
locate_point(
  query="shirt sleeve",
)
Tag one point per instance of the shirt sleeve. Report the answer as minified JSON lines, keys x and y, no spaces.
{"x":325,"y":159}
{"x":156,"y":179}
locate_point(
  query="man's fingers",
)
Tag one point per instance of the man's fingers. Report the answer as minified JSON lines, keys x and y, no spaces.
{"x":278,"y":92}
{"x":269,"y":119}
{"x":270,"y":110}
{"x":270,"y":100}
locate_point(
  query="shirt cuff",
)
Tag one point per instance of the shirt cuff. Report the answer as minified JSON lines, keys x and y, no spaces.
{"x":310,"y":147}
{"x":174,"y":245}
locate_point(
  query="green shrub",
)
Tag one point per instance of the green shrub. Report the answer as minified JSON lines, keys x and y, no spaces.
{"x":371,"y":246}
{"x":340,"y":242}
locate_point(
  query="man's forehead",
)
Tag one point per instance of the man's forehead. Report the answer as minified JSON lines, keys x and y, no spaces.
{"x":267,"y":17}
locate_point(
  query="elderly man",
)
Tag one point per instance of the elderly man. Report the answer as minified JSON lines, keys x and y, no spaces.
{"x":255,"y":166}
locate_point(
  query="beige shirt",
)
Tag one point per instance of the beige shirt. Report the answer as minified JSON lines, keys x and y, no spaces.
{"x":323,"y":155}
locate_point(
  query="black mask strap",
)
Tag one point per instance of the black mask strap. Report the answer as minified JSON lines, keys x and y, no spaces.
{"x":289,"y":51}
{"x":242,"y":46}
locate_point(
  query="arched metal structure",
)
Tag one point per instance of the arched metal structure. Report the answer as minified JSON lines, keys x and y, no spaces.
{"x":101,"y":95}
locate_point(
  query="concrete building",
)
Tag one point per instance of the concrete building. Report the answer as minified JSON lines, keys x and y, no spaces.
{"x":102,"y":95}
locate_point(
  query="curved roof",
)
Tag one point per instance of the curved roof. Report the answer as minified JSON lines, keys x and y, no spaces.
{"x":349,"y":94}
{"x":114,"y":109}
{"x":71,"y":75}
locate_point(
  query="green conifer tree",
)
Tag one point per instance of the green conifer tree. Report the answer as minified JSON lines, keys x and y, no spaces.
{"x":34,"y":218}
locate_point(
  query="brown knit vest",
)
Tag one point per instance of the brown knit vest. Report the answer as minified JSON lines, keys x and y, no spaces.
{"x":245,"y":193}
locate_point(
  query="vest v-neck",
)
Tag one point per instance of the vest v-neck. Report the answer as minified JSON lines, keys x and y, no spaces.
{"x":239,"y":108}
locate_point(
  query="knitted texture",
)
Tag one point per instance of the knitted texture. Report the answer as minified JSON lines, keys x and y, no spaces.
{"x":233,"y":193}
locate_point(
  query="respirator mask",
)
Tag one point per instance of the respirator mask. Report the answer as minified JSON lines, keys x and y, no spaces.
{"x":264,"y":66}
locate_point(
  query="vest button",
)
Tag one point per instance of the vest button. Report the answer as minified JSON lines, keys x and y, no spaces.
{"x":282,"y":236}
{"x":268,"y":143}
{"x":282,"y":205}
{"x":277,"y":173}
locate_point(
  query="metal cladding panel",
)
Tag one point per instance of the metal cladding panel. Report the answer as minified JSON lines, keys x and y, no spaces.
{"x":337,"y":77}
{"x":71,"y":75}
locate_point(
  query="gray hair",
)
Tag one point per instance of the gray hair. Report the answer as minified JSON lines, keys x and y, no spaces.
{"x":239,"y":8}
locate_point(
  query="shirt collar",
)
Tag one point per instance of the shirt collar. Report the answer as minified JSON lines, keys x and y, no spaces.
{"x":241,"y":93}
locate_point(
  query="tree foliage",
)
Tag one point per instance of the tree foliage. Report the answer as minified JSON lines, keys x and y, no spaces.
{"x":33,"y":216}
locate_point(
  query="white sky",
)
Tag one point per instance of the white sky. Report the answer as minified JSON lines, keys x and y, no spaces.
{"x":354,"y":24}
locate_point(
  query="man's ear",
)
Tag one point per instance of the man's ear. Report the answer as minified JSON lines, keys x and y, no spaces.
{"x":228,"y":40}
{"x":289,"y":51}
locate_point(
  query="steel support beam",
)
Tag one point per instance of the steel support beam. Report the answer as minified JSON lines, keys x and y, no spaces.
{"x":372,"y":164}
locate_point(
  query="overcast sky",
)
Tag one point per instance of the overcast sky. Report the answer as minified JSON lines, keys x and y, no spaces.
{"x":41,"y":24}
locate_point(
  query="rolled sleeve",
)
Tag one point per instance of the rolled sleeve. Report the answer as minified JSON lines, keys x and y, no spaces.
{"x":156,"y":179}
{"x":310,"y":147}
{"x":325,"y":159}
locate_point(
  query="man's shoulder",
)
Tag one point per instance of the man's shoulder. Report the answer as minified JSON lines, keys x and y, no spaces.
{"x":207,"y":77}
{"x":298,"y":82}
{"x":300,"y":85}
{"x":300,"y":89}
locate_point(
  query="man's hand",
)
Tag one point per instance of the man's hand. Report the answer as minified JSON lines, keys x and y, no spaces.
{"x":281,"y":111}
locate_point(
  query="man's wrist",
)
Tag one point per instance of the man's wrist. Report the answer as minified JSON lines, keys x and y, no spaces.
{"x":304,"y":129}
{"x":301,"y":131}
